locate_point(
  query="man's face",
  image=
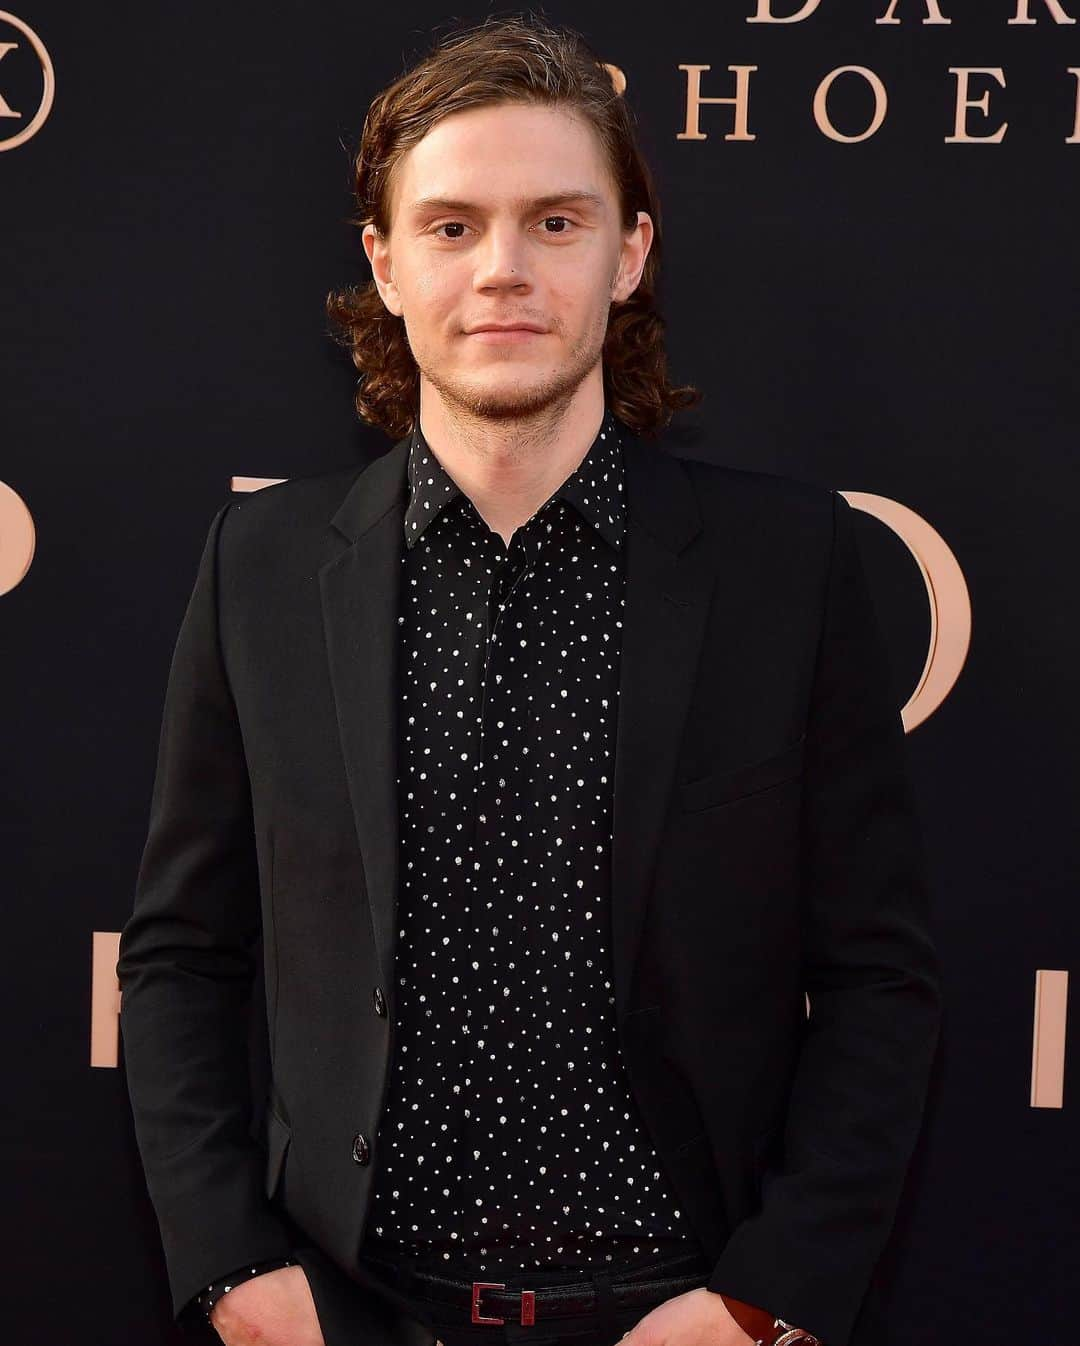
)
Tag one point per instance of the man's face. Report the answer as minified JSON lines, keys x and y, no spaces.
{"x":506,"y":215}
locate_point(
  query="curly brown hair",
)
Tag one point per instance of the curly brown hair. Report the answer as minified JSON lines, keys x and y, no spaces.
{"x":517,"y":59}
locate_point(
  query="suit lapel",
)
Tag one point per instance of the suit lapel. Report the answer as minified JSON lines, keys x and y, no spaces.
{"x":667,"y":593}
{"x":360,"y":597}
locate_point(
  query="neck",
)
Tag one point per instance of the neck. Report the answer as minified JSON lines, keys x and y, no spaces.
{"x":509,"y":467}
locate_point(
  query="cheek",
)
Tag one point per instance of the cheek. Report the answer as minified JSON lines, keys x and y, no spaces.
{"x":584,"y":313}
{"x":569,"y":301}
{"x":426,"y":286}
{"x":432,"y":307}
{"x":429,"y":286}
{"x":580,"y":293}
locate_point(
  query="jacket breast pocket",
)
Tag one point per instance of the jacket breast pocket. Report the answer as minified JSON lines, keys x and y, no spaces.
{"x":737,"y":782}
{"x":278,"y":1136}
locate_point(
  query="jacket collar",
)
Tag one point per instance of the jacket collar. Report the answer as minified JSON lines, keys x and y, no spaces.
{"x":658,"y":492}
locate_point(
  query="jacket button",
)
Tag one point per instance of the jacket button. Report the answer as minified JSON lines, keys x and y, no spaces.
{"x":361,"y":1152}
{"x":380,"y":1002}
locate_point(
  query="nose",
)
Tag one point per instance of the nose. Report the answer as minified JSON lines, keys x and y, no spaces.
{"x":501,"y":262}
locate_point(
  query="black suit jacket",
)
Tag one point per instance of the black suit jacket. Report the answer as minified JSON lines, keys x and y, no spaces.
{"x":766,"y":854}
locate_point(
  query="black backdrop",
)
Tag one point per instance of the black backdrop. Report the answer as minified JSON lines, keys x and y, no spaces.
{"x":895,"y":316}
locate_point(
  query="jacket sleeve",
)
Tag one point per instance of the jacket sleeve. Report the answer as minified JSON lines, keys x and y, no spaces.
{"x":186,"y":966}
{"x":871,"y":972}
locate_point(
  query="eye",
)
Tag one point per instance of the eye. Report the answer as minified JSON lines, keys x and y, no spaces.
{"x":458,"y":224}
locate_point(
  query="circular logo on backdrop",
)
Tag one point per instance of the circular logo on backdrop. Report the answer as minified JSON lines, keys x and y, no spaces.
{"x":947,"y":595}
{"x":27,"y":82}
{"x":17,"y":538}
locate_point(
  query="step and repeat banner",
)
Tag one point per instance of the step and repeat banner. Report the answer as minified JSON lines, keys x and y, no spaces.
{"x":870,"y":213}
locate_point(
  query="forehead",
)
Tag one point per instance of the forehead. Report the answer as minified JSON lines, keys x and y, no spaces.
{"x":503,"y":154}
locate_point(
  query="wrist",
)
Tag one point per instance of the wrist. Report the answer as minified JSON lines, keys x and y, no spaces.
{"x":765,"y":1328}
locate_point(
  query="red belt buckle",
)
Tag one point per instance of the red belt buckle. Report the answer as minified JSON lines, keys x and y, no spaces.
{"x":528,"y":1303}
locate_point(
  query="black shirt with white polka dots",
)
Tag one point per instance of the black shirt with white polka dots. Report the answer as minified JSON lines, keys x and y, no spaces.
{"x":511,"y":1140}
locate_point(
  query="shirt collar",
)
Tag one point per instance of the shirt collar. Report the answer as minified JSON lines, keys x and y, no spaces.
{"x":595,"y":488}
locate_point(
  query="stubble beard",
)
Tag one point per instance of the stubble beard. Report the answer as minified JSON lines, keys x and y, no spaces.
{"x":512,"y":402}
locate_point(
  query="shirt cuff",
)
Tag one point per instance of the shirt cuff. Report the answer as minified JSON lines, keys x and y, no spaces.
{"x":209,"y":1297}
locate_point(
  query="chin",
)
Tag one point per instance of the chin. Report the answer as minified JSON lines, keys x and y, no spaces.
{"x":511,"y":404}
{"x":508,"y":395}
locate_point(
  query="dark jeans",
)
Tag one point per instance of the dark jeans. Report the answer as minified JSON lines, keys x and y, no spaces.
{"x":375,"y":1312}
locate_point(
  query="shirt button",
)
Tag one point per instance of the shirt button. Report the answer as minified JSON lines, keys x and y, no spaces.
{"x":380,"y":1002}
{"x":361,"y":1151}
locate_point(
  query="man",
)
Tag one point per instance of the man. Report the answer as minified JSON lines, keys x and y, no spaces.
{"x":561,"y":777}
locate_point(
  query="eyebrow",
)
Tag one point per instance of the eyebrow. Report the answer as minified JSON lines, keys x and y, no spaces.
{"x":426,"y":204}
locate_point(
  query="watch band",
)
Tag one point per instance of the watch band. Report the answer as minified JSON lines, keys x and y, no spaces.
{"x":766,"y":1329}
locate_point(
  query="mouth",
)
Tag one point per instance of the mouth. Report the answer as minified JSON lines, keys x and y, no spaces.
{"x":489,"y":334}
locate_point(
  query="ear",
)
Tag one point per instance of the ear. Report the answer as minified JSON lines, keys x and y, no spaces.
{"x":632,"y":257}
{"x":382,"y":268}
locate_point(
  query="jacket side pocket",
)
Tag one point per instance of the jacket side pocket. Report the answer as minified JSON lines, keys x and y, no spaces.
{"x":278,"y":1136}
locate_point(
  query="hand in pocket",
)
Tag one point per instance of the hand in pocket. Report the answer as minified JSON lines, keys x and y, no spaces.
{"x":274,"y":1309}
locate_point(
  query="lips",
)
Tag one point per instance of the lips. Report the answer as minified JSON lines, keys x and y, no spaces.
{"x":517,"y":327}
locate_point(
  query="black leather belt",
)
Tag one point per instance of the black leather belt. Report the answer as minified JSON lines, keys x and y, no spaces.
{"x":494,"y":1302}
